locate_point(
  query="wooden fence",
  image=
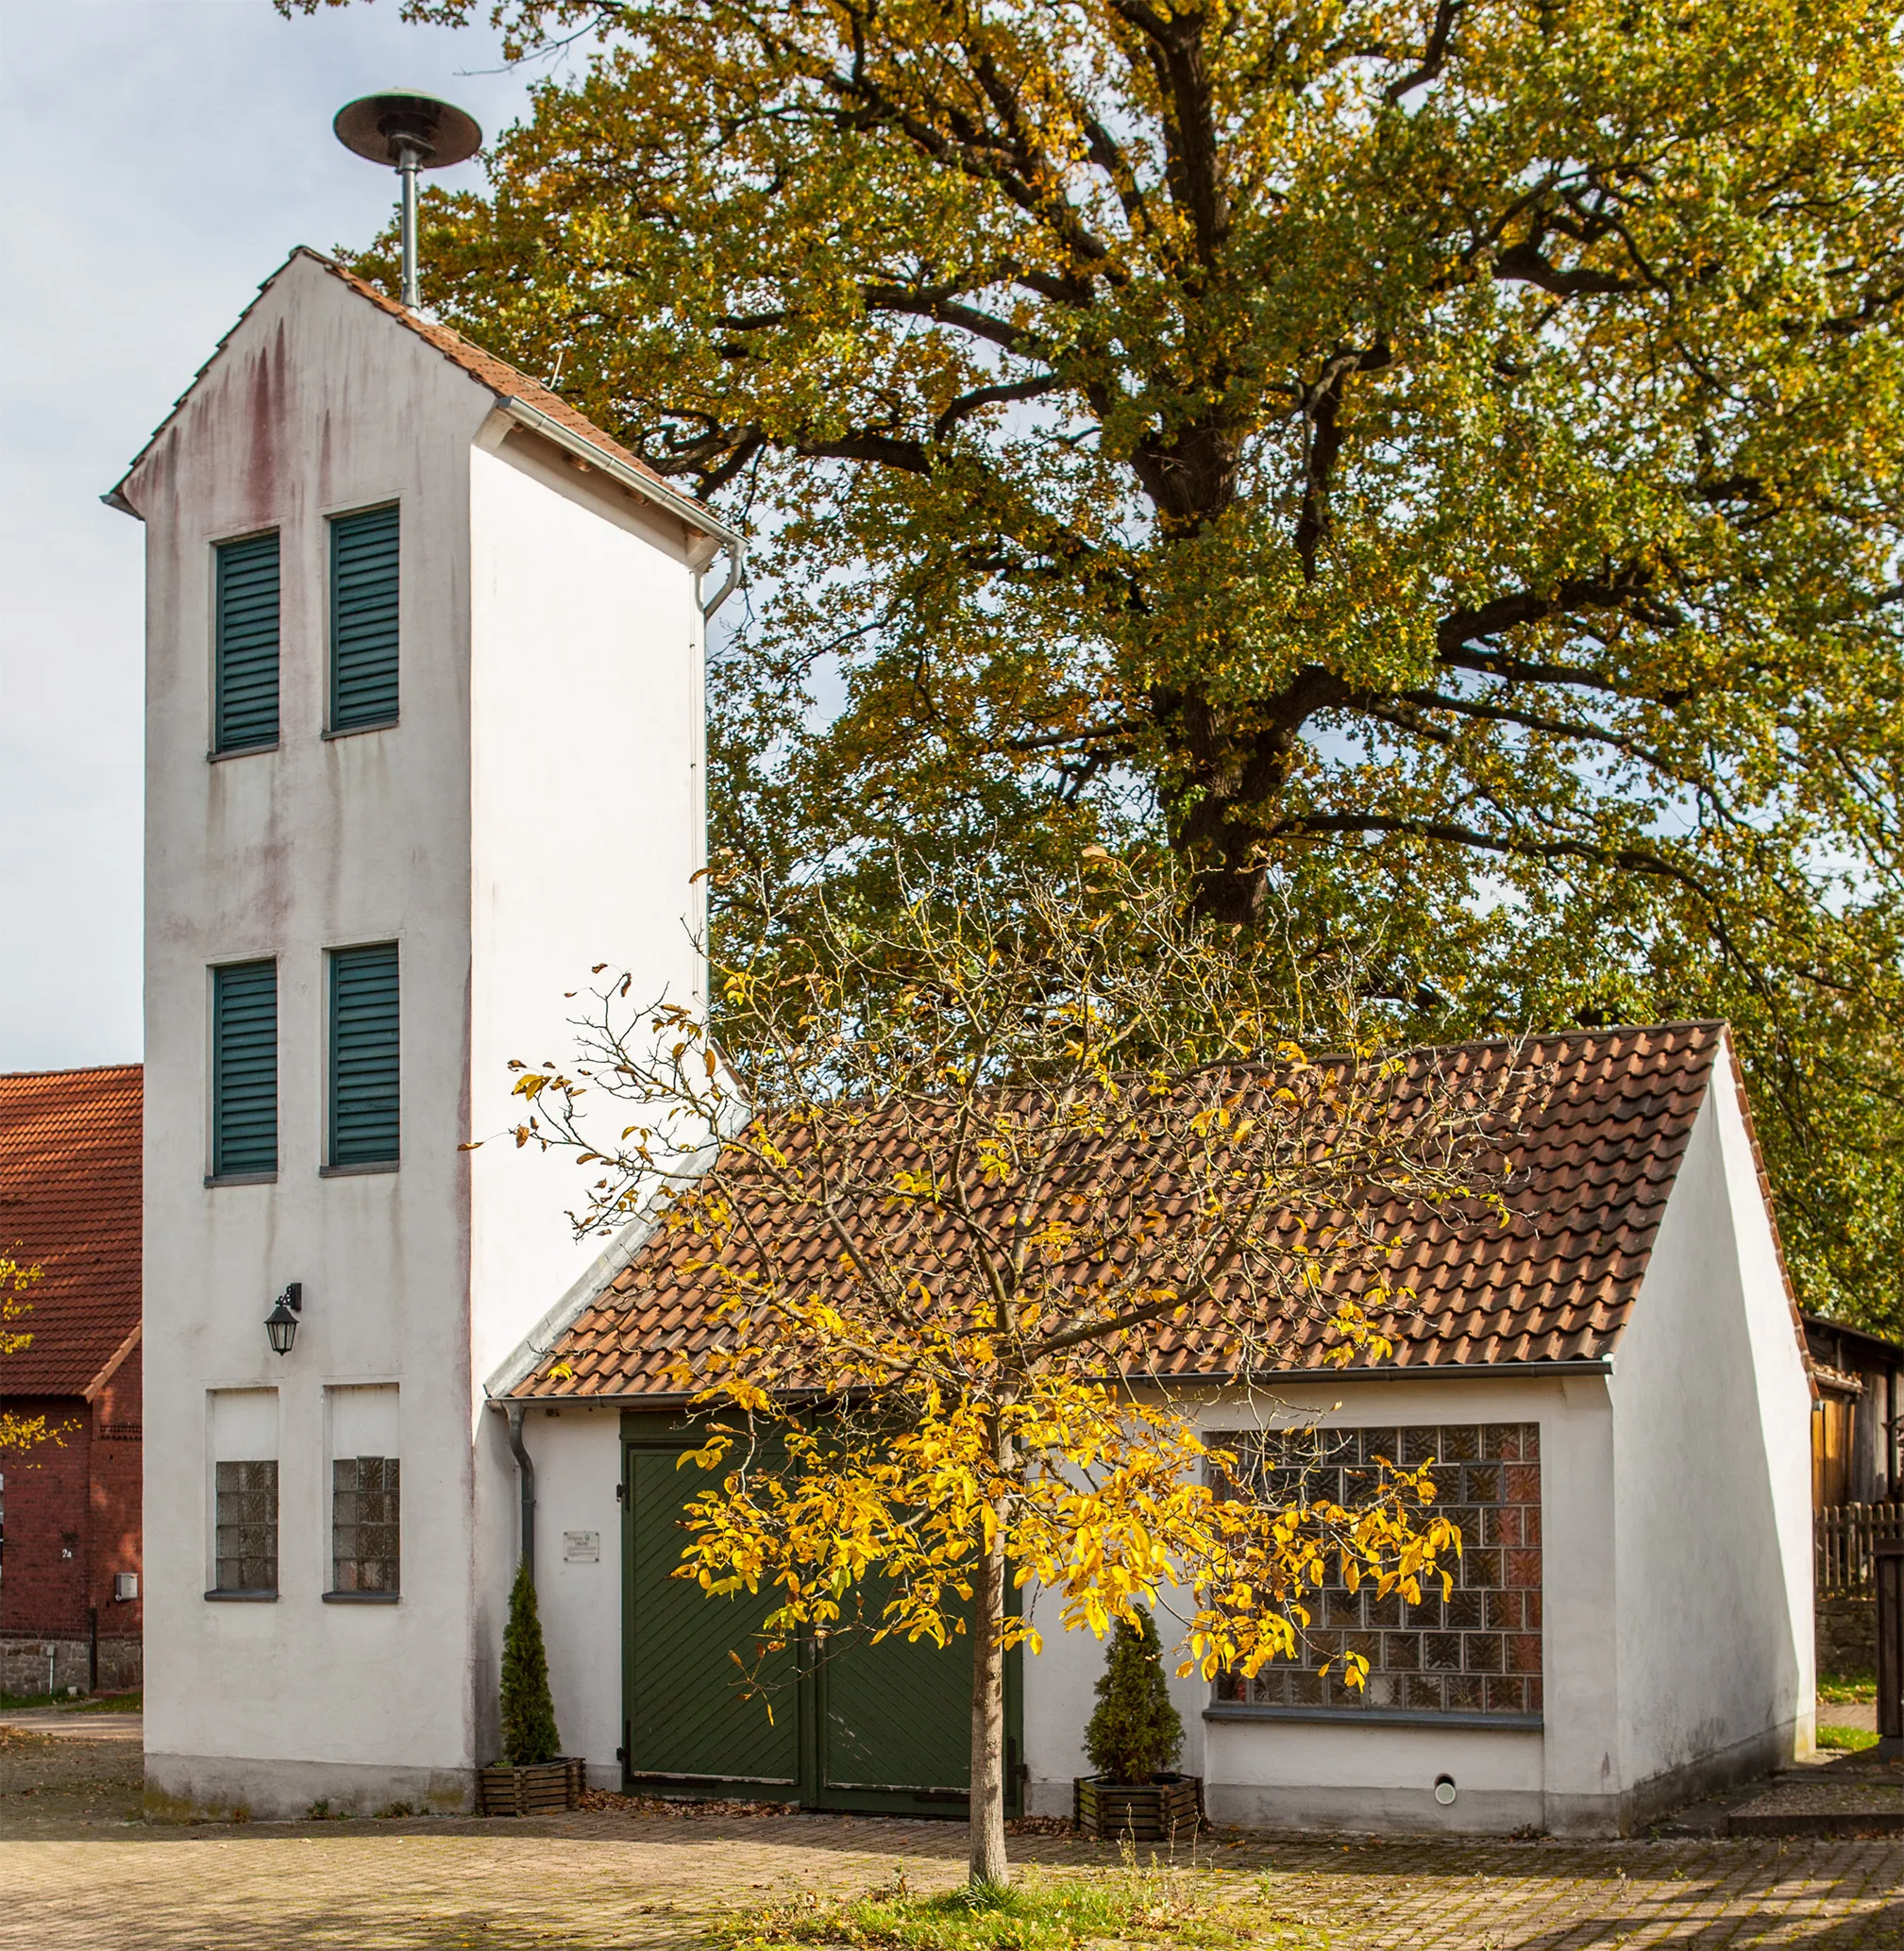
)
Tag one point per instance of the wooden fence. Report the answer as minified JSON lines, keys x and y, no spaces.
{"x":1842,"y":1535}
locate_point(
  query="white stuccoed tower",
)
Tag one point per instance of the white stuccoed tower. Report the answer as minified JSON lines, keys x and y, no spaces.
{"x":412,"y":767}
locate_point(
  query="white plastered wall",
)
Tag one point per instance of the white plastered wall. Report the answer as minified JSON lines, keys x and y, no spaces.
{"x":438,"y":833}
{"x":586,"y":834}
{"x":1293,"y":1773}
{"x":1711,"y":1436}
{"x":577,"y":1453}
{"x":317,"y":404}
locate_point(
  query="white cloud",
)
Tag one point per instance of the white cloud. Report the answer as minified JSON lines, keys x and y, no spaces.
{"x":160,"y":159}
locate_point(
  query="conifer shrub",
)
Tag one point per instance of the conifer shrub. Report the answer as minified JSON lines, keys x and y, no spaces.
{"x":527,"y":1708}
{"x":1136,"y":1732}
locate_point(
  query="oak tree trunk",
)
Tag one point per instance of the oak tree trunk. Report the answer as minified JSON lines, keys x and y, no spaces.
{"x":988,"y":1865}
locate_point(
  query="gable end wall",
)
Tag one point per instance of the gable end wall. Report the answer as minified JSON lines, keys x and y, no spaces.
{"x":1711,"y":1430}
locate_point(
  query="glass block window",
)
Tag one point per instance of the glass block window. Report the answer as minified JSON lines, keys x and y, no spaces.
{"x":364,"y":1528}
{"x":246,"y":1544}
{"x":1476,"y":1651}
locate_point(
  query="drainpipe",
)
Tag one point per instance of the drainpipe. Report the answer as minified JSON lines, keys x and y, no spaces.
{"x":736,"y":567}
{"x":525,"y":1469}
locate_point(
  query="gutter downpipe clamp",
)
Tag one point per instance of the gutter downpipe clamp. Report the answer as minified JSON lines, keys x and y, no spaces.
{"x":525,"y":1468}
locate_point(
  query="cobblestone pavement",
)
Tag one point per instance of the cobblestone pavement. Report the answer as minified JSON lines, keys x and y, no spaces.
{"x":78,"y":1869}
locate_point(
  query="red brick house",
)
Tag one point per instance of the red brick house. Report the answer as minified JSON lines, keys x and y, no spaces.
{"x":70,"y":1503}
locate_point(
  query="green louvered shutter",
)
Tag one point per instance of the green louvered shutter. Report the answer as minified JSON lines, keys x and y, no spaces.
{"x":244,"y":1068}
{"x":364,"y":619}
{"x":246,"y":684}
{"x":363,"y":1093}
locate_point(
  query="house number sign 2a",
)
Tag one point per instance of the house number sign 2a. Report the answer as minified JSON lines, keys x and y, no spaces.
{"x":582,"y":1547}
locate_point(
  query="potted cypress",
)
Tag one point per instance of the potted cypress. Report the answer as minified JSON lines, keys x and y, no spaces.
{"x":1134,"y":1740}
{"x":532,"y":1776}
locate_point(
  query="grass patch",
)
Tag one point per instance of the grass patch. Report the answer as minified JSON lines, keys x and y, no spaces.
{"x":1847,"y":1740}
{"x":1039,"y":1912}
{"x":97,"y":1703}
{"x":1841,"y":1690}
{"x":110,"y":1704}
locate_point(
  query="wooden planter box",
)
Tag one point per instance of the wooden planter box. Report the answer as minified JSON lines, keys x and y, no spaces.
{"x":533,"y":1789}
{"x":1159,"y":1810}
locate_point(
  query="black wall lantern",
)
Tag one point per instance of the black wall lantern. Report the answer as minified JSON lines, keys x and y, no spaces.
{"x":280,"y":1324}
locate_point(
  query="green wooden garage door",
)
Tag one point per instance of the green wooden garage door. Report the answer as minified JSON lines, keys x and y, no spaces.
{"x":852,"y":1724}
{"x":687,"y":1721}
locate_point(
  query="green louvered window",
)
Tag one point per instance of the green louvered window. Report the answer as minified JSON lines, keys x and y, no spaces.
{"x":363,"y":1053}
{"x":364,"y":586}
{"x":243,"y":1069}
{"x":246,"y":680}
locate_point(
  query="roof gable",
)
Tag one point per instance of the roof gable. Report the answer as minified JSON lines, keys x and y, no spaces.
{"x":70,"y":1177}
{"x":1593,"y":1164}
{"x":540,"y":406}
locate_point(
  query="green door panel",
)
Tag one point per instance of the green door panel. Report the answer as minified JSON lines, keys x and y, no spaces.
{"x":895,"y":1718}
{"x":687,"y":1720}
{"x":853,"y":1725}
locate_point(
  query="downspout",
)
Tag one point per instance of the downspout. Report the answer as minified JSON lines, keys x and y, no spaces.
{"x":525,"y":1471}
{"x":736,"y":567}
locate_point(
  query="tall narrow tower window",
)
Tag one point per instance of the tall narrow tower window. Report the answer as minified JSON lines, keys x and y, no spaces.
{"x":363,"y":590}
{"x":244,"y":682}
{"x":245,"y":1070}
{"x":364,"y":1056}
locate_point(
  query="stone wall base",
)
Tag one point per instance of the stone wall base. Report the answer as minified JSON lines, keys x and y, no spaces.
{"x":222,"y":1787}
{"x":1481,"y":1811}
{"x":1632,"y":1811}
{"x":1391,"y":1811}
{"x":22,"y":1664}
{"x":1845,"y":1632}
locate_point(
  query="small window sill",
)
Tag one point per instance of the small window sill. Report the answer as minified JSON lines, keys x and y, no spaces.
{"x":356,"y":1171}
{"x":363,"y":1598}
{"x":241,"y":1178}
{"x":218,"y":756}
{"x":1376,"y":1717}
{"x":244,"y":1598}
{"x":355,"y":731}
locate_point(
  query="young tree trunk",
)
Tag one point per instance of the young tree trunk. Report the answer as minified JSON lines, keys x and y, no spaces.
{"x":989,"y":1864}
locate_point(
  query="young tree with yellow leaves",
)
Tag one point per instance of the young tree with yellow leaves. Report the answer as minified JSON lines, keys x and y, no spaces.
{"x":17,"y":1432}
{"x":1011,"y":1177}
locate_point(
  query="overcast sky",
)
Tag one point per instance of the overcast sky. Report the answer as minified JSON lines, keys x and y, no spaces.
{"x":160,"y":159}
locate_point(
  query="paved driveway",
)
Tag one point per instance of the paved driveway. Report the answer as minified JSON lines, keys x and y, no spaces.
{"x":77,"y":1869}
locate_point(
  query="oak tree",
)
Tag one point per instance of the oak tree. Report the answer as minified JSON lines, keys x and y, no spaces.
{"x":1445,"y":453}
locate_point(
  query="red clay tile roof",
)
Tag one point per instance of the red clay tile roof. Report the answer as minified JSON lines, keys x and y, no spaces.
{"x":500,"y":376}
{"x":70,"y":1176}
{"x":1595,"y":1160}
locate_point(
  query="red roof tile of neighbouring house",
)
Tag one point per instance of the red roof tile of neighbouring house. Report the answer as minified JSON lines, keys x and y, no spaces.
{"x":70,"y":1176}
{"x":1604,"y":1124}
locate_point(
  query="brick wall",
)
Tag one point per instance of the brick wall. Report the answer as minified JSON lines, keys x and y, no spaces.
{"x":73,"y":1524}
{"x":115,"y":1494}
{"x":42,"y":1571}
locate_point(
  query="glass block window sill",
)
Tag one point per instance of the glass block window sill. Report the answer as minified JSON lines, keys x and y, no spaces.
{"x":363,"y":1598}
{"x":245,"y":1597}
{"x":1381,"y":1717}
